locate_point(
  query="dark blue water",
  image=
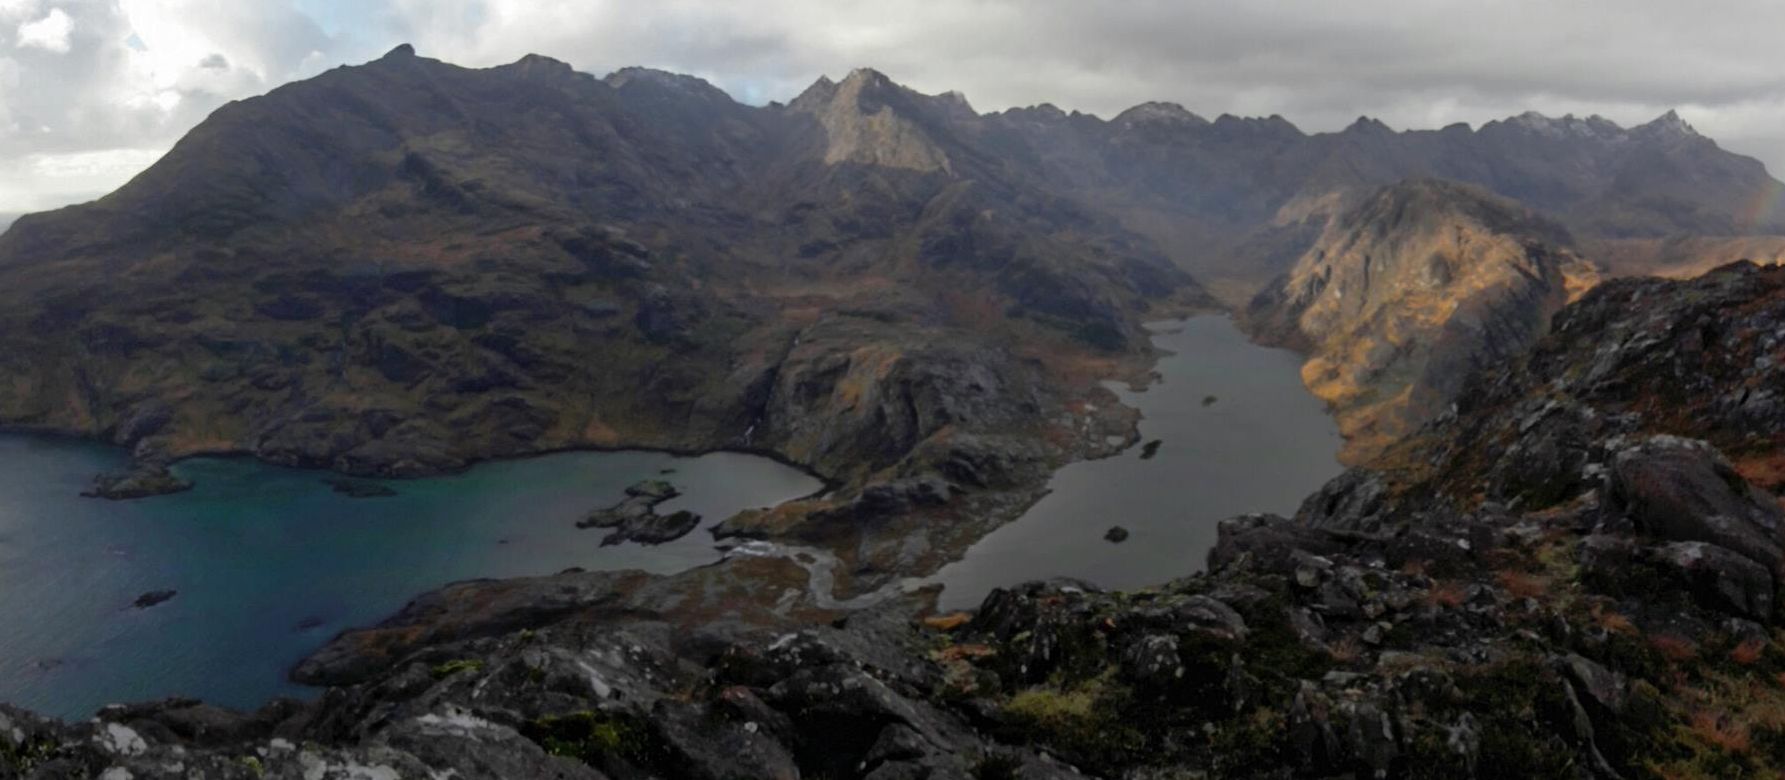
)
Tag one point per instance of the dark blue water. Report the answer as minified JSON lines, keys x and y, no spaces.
{"x":1263,"y":445}
{"x":270,"y":563}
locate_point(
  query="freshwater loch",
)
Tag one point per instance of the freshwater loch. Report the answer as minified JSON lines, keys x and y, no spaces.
{"x":1237,"y":432}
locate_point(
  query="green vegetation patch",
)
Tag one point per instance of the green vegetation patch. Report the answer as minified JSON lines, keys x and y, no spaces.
{"x":451,"y":668}
{"x":592,"y":737}
{"x":1085,"y":720}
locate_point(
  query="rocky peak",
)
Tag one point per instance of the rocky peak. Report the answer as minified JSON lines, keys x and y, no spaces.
{"x":1368,"y":126}
{"x":401,"y":50}
{"x":1273,"y":126}
{"x":1667,"y":127}
{"x":814,"y":96}
{"x":539,"y":66}
{"x":869,"y":119}
{"x":1568,"y":126}
{"x":955,"y":105}
{"x":1044,"y":112}
{"x":691,"y":86}
{"x":1158,"y":112}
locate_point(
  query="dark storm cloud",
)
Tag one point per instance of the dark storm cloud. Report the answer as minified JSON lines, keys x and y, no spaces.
{"x":1411,"y":63}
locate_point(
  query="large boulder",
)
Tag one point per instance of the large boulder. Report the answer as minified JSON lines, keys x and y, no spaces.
{"x":1684,"y":490}
{"x":1720,"y":579}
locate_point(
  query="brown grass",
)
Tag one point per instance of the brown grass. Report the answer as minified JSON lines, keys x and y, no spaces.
{"x":1446,"y":595}
{"x":965,"y":652}
{"x":1613,"y":622}
{"x":948,"y":622}
{"x":1749,"y":652}
{"x":1524,"y":585}
{"x":1765,"y":471}
{"x":1718,"y":730}
{"x":1673,"y":648}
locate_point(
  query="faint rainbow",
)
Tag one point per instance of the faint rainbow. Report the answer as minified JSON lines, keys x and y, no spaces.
{"x":1762,"y":210}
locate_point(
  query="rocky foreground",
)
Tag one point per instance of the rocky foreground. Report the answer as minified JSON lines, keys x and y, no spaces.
{"x":1575,"y":574}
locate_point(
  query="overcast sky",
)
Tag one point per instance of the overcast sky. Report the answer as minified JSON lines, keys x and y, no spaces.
{"x":92,"y":91}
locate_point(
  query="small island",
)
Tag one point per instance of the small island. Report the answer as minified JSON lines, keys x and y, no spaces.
{"x":635,"y":518}
{"x":141,"y":481}
{"x":1116,"y":534}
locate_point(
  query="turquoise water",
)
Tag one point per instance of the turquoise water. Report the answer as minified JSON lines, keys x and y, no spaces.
{"x":270,"y":562}
{"x":1262,"y":445}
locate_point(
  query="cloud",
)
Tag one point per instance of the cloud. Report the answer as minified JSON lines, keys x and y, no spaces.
{"x":51,"y":33}
{"x":87,"y":80}
{"x":1411,"y":63}
{"x":38,"y":182}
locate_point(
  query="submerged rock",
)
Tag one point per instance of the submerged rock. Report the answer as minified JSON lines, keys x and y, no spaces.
{"x":153,"y":598}
{"x":356,"y":488}
{"x":1116,"y":533}
{"x":1148,"y":450}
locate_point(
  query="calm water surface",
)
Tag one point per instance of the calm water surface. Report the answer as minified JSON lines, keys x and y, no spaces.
{"x":270,"y":563}
{"x":1262,"y":445}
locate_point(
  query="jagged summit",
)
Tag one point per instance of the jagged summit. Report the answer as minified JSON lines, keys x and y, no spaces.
{"x":870,"y":119}
{"x":1370,"y":126}
{"x":400,"y":50}
{"x":818,"y":94}
{"x":867,"y":76}
{"x":1566,"y":126}
{"x":1668,"y":126}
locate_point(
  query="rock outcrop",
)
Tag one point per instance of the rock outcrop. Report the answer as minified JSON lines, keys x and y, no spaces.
{"x":1405,"y":296}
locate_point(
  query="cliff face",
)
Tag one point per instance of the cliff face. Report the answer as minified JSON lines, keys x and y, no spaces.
{"x":1404,"y":296}
{"x":1576,"y":574}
